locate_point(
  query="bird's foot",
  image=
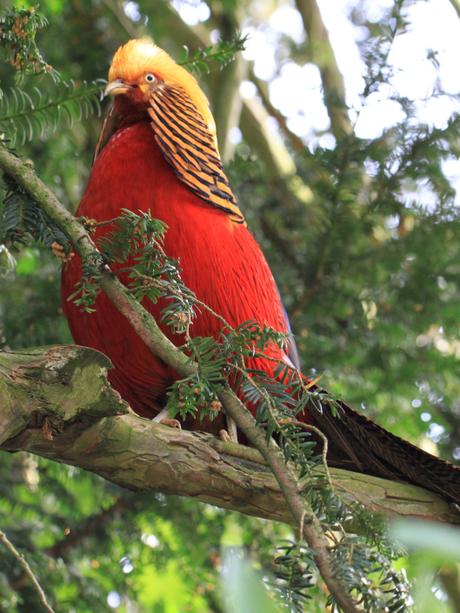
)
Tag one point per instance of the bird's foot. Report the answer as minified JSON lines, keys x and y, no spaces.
{"x":164,"y":418}
{"x":230,"y":435}
{"x":172,"y":423}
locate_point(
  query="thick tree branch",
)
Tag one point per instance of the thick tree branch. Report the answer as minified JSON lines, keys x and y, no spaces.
{"x":456,"y":6}
{"x":56,"y":402}
{"x":272,"y":152}
{"x":226,"y":98}
{"x":227,"y":104}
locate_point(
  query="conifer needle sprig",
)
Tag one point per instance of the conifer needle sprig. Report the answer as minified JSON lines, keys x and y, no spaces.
{"x":220,"y":54}
{"x":25,"y":116}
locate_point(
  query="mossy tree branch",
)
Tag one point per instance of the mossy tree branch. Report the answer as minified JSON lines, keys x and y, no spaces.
{"x":56,"y":402}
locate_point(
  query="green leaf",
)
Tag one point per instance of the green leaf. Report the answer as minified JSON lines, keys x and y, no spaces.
{"x":27,"y":262}
{"x":244,"y":591}
{"x":440,"y":540}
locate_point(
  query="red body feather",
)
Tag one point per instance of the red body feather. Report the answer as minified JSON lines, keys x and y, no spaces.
{"x":220,"y":261}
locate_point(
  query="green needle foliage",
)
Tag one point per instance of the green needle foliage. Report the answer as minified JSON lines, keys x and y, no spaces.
{"x":18,"y":28}
{"x":28,"y":116}
{"x":21,"y":220}
{"x":203,"y":60}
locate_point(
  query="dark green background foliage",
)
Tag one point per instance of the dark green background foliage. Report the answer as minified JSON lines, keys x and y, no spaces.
{"x":368,"y":276}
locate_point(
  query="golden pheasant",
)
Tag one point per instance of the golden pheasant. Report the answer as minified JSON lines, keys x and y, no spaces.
{"x":158,"y":153}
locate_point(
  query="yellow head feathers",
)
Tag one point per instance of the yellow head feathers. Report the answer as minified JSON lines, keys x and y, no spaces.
{"x":140,"y":57}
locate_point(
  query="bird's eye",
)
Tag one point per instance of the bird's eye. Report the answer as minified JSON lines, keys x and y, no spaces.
{"x":149,"y":77}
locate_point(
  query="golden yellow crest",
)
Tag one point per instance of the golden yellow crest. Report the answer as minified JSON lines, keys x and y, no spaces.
{"x":141,"y":55}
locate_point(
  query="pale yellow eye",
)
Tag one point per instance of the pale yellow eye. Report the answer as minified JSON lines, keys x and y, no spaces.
{"x":149,"y":77}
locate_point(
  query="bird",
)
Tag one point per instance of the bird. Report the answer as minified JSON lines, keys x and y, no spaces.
{"x":158,"y":153}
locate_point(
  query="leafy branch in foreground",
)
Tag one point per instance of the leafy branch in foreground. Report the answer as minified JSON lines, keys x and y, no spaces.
{"x":222,"y":53}
{"x":25,"y":116}
{"x":133,"y":249}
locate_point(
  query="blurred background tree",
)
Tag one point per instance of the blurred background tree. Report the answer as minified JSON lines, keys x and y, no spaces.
{"x":339,"y":128}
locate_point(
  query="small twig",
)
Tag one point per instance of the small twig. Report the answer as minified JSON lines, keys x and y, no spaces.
{"x":160,"y":284}
{"x":262,"y":89}
{"x":295,"y":422}
{"x":322,"y":436}
{"x":91,"y":224}
{"x":302,"y":526}
{"x":28,"y":571}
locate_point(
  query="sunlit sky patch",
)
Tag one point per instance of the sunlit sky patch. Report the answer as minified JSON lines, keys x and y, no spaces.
{"x":132,"y":11}
{"x":192,"y":11}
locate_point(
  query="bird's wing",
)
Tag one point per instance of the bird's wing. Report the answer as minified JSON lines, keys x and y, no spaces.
{"x":189,"y":147}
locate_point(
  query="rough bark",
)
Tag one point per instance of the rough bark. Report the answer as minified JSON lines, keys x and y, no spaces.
{"x":56,"y":402}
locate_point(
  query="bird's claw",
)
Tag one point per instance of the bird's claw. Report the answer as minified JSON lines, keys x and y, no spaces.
{"x":163,"y":418}
{"x":224,"y":436}
{"x":230,"y":435}
{"x":172,"y":423}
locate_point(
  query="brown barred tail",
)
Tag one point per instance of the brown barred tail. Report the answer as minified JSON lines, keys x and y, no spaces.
{"x":357,"y":443}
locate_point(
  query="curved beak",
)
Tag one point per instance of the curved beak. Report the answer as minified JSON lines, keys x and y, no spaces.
{"x":116,"y":87}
